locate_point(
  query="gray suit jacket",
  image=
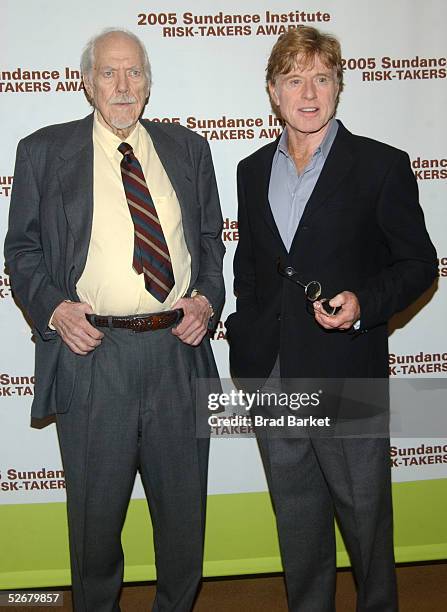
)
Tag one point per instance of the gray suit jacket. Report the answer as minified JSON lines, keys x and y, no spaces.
{"x":49,"y":231}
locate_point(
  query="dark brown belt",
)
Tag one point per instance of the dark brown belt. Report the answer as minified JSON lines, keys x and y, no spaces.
{"x":138,"y":323}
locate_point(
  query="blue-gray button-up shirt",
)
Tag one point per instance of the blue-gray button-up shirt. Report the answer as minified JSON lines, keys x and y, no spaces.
{"x":290,"y":191}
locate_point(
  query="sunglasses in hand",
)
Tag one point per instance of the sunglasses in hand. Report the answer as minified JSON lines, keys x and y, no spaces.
{"x":312,"y":289}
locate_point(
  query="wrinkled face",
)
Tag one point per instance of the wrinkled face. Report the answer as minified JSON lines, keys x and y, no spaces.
{"x":117,"y":84}
{"x":306,"y":96}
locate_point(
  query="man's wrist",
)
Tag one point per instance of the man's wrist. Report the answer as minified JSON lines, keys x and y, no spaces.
{"x":50,"y":322}
{"x":203,"y":298}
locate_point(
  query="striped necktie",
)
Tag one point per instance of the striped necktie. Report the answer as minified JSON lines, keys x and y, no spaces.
{"x":151,"y":254}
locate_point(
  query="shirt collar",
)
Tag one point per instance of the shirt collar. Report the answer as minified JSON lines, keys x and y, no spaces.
{"x":110,"y":142}
{"x":329,"y":137}
{"x":323,"y":148}
{"x":283,"y":143}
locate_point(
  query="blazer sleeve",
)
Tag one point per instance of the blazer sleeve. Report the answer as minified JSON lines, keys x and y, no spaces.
{"x":24,"y":259}
{"x":412,"y":263}
{"x":210,"y":278}
{"x":244,"y":260}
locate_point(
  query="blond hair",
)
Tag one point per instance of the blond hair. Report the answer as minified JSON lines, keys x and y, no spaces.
{"x":307,"y":43}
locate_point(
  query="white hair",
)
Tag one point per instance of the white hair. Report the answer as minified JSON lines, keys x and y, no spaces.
{"x":88,"y":54}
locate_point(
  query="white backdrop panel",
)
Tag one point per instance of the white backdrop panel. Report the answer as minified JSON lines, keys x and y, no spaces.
{"x":215,"y":72}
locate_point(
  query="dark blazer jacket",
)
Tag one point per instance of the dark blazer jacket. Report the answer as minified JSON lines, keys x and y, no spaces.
{"x":362,"y":230}
{"x":49,"y":233}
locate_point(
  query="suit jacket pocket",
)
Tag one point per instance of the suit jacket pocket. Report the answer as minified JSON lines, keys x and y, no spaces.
{"x":65,"y":378}
{"x":46,"y":364}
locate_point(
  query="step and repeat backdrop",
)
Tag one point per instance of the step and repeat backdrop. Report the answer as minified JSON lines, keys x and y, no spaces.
{"x":208,"y":64}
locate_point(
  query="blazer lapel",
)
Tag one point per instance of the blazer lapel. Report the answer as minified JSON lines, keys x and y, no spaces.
{"x":76,"y":181}
{"x":337,"y":166}
{"x":179,"y":170}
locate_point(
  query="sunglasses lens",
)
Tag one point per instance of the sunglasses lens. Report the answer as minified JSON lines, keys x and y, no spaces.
{"x":313,"y":291}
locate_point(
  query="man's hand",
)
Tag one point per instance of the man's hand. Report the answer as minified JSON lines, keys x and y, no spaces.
{"x":345,"y":318}
{"x":194,"y":324}
{"x":70,"y":323}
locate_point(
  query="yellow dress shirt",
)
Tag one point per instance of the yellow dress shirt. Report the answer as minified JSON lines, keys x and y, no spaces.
{"x":109,"y":283}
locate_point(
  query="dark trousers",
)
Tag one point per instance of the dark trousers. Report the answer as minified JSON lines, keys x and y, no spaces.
{"x":133,"y":409}
{"x":311,"y":481}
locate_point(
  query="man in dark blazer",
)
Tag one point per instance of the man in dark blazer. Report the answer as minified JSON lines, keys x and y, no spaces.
{"x":120,"y":330}
{"x":321,"y":204}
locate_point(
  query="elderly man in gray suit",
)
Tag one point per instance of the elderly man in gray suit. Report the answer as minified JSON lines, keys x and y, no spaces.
{"x":114,"y":252}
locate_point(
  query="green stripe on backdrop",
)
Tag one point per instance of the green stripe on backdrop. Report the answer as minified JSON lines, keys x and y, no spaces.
{"x":240,"y":539}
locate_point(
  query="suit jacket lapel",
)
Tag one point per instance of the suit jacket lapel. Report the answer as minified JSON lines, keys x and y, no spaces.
{"x":337,"y":166}
{"x":179,"y":170}
{"x":76,"y":180}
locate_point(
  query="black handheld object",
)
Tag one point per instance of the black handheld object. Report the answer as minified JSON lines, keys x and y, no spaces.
{"x":330,"y":310}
